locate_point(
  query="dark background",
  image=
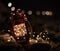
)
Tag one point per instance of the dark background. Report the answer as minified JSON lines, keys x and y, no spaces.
{"x":51,"y":22}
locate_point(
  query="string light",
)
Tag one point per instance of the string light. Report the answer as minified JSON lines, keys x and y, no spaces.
{"x":43,"y":12}
{"x":20,"y":30}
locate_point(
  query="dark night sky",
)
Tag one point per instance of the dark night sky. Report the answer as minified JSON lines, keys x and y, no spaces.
{"x":36,"y":4}
{"x":41,"y":5}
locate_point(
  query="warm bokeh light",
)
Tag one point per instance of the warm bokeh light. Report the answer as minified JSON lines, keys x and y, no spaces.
{"x":12,"y":8}
{"x":33,"y":41}
{"x":43,"y":36}
{"x":49,"y":13}
{"x":13,"y":13}
{"x":37,"y":38}
{"x":8,"y":40}
{"x":29,"y":12}
{"x":37,"y":35}
{"x":9,"y":4}
{"x":37,"y":12}
{"x":18,"y":9}
{"x":33,"y":35}
{"x":20,"y":30}
{"x":24,"y":38}
{"x":17,"y":37}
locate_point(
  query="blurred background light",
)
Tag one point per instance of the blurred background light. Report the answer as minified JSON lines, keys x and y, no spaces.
{"x":29,"y":12}
{"x":43,"y":12}
{"x":12,"y":8}
{"x":17,"y":37}
{"x":36,"y":41}
{"x":43,"y":36}
{"x":18,"y":10}
{"x":33,"y":35}
{"x":37,"y":12}
{"x":38,"y":36}
{"x":24,"y":38}
{"x":49,"y":13}
{"x":23,"y":11}
{"x":13,"y":13}
{"x":8,"y":40}
{"x":9,"y":4}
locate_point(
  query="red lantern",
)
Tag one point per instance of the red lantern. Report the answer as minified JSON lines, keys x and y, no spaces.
{"x":19,"y":26}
